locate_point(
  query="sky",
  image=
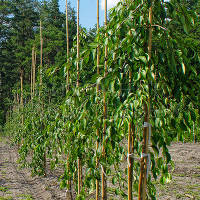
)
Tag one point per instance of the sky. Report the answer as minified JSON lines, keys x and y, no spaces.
{"x":88,"y":10}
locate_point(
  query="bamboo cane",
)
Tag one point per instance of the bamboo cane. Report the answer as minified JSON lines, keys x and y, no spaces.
{"x":77,"y":65}
{"x":41,"y":53}
{"x":143,"y":166}
{"x":67,"y":39}
{"x":130,"y":151}
{"x":193,"y":134}
{"x":97,"y":132}
{"x":104,"y":182}
{"x":18,"y":101}
{"x":34,"y":65}
{"x":21,"y":100}
{"x":40,"y":89}
{"x":67,"y":83}
{"x":77,"y":84}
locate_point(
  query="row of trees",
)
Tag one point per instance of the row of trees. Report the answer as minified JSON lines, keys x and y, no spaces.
{"x":136,"y":75}
{"x":20,"y":32}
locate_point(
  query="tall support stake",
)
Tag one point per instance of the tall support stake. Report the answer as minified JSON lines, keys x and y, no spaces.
{"x":130,"y":151}
{"x":34,"y":65}
{"x":193,"y":134}
{"x":104,"y":182}
{"x":41,"y":53}
{"x":144,"y":159}
{"x":67,"y":84}
{"x":77,"y":85}
{"x":40,"y":89}
{"x":67,"y":39}
{"x":21,"y":100}
{"x":97,"y":89}
{"x":77,"y":65}
{"x":18,"y":102}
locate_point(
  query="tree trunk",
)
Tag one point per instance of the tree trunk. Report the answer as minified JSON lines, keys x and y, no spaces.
{"x":41,"y":54}
{"x":104,"y":182}
{"x":144,"y":159}
{"x":97,"y":89}
{"x":130,"y":156}
{"x":77,"y":84}
{"x":21,"y":100}
{"x":67,"y":39}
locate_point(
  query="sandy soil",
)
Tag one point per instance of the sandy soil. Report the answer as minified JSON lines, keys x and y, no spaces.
{"x":16,"y":183}
{"x":186,"y":175}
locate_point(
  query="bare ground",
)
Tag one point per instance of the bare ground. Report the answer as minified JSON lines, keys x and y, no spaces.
{"x":16,"y":183}
{"x":185,"y":183}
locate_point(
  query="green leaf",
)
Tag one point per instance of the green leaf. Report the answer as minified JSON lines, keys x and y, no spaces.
{"x":114,"y":180}
{"x":193,"y":115}
{"x":183,"y":67}
{"x":182,"y":125}
{"x":143,"y":59}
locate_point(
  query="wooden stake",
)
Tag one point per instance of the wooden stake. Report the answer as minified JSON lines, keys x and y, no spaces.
{"x":34,"y":66}
{"x":193,"y":134}
{"x":67,"y":86}
{"x":77,"y":85}
{"x":130,"y":151}
{"x":40,"y":89}
{"x":21,"y":101}
{"x":104,"y":182}
{"x":18,"y":101}
{"x":143,"y":166}
{"x":97,"y":89}
{"x":67,"y":39}
{"x":41,"y":53}
{"x":77,"y":65}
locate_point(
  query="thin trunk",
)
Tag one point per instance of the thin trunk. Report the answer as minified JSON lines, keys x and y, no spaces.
{"x":77,"y":84}
{"x":144,"y":159}
{"x":34,"y":66}
{"x":21,"y":101}
{"x":40,"y":88}
{"x":67,"y":39}
{"x":193,"y":134}
{"x":104,"y":182}
{"x":15,"y":99}
{"x":67,"y":88}
{"x":18,"y":102}
{"x":143,"y":167}
{"x":130,"y":151}
{"x":77,"y":65}
{"x":97,"y":132}
{"x":41,"y":54}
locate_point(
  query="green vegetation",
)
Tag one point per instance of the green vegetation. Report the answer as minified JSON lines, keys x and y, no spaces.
{"x":48,"y":122}
{"x":6,"y":198}
{"x":25,"y":196}
{"x":3,"y":189}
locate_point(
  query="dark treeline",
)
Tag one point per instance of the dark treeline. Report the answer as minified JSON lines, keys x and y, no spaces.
{"x":19,"y":35}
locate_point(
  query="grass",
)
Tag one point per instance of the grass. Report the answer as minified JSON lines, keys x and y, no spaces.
{"x":3,"y":189}
{"x":6,"y":198}
{"x":26,"y":196}
{"x":179,"y":175}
